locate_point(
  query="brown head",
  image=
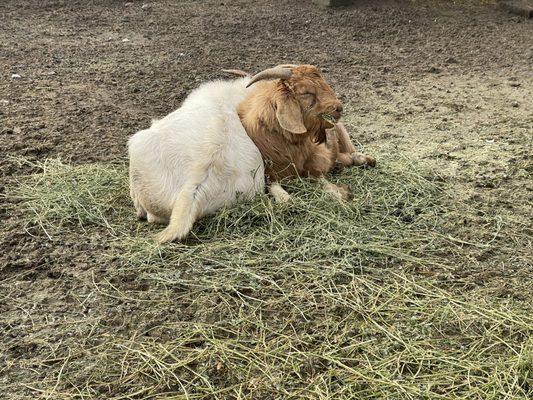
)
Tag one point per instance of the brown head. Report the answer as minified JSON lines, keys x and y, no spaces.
{"x":304,"y":101}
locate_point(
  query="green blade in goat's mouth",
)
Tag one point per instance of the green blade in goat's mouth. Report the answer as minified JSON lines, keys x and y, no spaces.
{"x":327,"y":117}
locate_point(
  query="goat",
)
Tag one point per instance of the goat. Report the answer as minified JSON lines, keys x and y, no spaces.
{"x":195,"y":160}
{"x":289,"y":116}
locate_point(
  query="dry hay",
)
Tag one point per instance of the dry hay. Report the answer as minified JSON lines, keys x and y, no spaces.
{"x":314,"y":299}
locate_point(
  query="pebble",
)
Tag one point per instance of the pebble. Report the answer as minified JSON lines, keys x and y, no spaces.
{"x":515,"y":104}
{"x":125,"y":40}
{"x":15,"y":76}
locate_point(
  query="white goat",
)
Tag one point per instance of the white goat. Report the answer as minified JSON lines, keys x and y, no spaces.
{"x":195,"y":160}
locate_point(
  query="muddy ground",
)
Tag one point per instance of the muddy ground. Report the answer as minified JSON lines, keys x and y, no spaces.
{"x":446,"y":82}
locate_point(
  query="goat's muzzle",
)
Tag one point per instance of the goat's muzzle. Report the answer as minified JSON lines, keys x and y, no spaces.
{"x":337,"y":112}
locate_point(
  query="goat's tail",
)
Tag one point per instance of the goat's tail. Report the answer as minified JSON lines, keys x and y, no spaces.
{"x":185,"y":211}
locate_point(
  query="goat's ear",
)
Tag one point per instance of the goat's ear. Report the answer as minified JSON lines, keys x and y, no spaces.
{"x":289,"y":115}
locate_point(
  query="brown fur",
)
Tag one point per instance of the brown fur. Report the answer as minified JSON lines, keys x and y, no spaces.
{"x":301,"y":149}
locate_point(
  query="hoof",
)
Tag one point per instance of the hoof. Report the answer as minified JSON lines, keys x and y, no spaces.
{"x":362,"y":160}
{"x":341,"y":192}
{"x":154,"y":219}
{"x":346,"y":193}
{"x":370,"y":161}
{"x":282,"y":197}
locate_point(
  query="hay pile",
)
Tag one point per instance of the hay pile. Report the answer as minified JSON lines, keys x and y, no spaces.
{"x":314,"y":299}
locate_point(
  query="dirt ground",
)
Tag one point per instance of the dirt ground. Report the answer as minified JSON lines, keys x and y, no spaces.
{"x":449,"y":83}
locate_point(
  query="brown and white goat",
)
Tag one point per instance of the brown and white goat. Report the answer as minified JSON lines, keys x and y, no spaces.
{"x":292,"y":116}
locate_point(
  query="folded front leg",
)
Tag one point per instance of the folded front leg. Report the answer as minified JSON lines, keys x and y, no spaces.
{"x":348,"y":155}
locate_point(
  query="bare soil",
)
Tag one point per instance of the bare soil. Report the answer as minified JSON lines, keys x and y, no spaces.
{"x":445,"y":82}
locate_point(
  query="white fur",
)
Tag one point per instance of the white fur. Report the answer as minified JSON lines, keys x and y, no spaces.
{"x":195,"y":160}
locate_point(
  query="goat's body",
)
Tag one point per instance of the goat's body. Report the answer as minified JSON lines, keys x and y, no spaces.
{"x":195,"y":160}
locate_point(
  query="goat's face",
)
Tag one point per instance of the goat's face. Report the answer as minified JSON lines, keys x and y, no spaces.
{"x":306,"y":102}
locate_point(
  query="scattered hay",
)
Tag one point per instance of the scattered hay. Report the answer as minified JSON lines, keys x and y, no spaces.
{"x":314,"y":299}
{"x":72,"y":195}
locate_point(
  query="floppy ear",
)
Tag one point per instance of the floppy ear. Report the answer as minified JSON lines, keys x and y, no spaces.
{"x":289,"y":115}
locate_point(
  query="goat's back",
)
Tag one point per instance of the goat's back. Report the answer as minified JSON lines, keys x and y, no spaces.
{"x":201,"y":143}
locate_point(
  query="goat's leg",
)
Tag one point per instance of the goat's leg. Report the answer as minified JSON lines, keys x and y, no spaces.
{"x":139,"y":209}
{"x":323,"y":156}
{"x":141,"y":213}
{"x":333,"y":142}
{"x":320,"y":163}
{"x":348,"y":152}
{"x":273,"y":186}
{"x":279,"y":194}
{"x":154,"y":219}
{"x":345,"y":144}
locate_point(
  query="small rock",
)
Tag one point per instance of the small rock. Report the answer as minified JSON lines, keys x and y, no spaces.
{"x":181,"y":54}
{"x":434,"y":70}
{"x":125,"y":40}
{"x":15,"y":76}
{"x":514,"y":84}
{"x":515,"y":104}
{"x":129,"y":3}
{"x":489,"y":141}
{"x":451,"y":60}
{"x":145,"y":6}
{"x":4,"y":102}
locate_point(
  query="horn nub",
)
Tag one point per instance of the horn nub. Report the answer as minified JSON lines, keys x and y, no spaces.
{"x":279,"y":72}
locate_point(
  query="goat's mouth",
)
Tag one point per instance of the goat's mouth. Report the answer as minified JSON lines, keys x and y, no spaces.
{"x":330,"y":118}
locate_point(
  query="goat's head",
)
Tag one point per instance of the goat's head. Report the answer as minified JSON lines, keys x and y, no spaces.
{"x":304,"y":101}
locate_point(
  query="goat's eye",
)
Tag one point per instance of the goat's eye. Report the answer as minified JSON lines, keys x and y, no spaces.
{"x":307,"y":94}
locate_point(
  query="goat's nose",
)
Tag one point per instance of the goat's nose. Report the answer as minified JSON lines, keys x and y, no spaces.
{"x":337,"y":112}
